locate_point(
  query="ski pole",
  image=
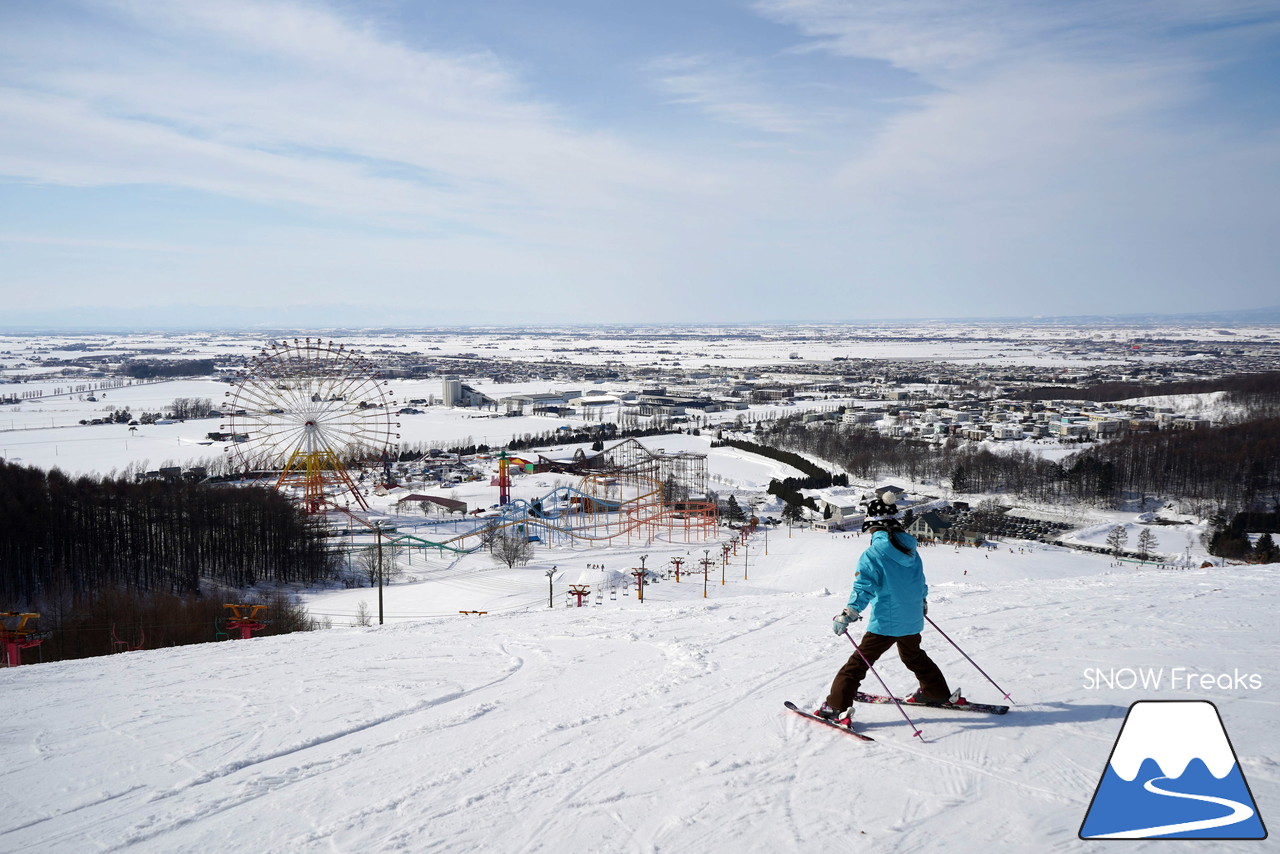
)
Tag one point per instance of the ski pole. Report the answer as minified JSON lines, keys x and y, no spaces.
{"x":916,"y":731}
{"x":970,"y":660}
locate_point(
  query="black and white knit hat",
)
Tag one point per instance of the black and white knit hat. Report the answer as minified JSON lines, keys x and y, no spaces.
{"x":882,"y":512}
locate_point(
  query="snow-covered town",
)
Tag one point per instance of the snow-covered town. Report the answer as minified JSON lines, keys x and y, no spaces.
{"x":613,"y":678}
{"x":654,"y":428}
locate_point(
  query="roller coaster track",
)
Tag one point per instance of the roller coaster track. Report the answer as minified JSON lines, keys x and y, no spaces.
{"x":594,"y":511}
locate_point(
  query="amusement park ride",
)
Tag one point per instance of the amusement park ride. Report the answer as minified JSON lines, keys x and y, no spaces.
{"x":17,"y":634}
{"x":303,"y":411}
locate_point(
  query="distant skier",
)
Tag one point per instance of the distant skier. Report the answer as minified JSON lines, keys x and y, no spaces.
{"x":890,"y":575}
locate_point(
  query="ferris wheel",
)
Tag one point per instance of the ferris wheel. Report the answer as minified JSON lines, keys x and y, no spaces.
{"x":304,"y":410}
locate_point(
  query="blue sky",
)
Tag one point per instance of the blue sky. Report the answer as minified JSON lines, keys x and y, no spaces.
{"x":259,"y":161}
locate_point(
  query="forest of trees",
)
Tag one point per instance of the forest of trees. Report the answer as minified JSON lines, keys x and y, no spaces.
{"x":595,"y":434}
{"x":1236,"y":467}
{"x":815,"y":476}
{"x":148,"y":368}
{"x":1259,"y":393}
{"x":68,"y":540}
{"x":788,"y":489}
{"x":1229,"y":537}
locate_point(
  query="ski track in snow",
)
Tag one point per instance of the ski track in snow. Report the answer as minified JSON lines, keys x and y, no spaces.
{"x":629,"y":727}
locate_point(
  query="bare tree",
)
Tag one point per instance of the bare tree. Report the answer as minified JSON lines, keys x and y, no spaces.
{"x":1146,"y":542}
{"x":365,"y":562}
{"x":1117,"y":538}
{"x":986,"y":515}
{"x":190,"y":407}
{"x":512,"y":549}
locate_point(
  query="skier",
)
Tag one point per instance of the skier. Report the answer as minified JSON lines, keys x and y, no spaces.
{"x":891,"y":575}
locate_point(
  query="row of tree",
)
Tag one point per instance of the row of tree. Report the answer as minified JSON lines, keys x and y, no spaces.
{"x":149,"y":368}
{"x":788,"y":489}
{"x":1234,"y":466}
{"x":1258,"y":393}
{"x":1229,"y":538}
{"x":597,"y":435}
{"x":69,"y":539}
{"x":184,"y":408}
{"x":1118,"y":538}
{"x":119,"y":621}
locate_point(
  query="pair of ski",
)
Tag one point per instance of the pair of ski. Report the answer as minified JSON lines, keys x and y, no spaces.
{"x":847,"y":727}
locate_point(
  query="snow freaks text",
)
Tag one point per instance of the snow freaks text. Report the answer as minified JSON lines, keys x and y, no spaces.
{"x":1168,"y":678}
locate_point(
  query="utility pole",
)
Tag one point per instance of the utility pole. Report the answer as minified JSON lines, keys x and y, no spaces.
{"x":551,"y":574}
{"x":378,"y":529}
{"x":746,"y":556}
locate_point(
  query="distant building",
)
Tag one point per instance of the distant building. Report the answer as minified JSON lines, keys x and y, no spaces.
{"x":839,"y":511}
{"x":451,"y":391}
{"x":930,"y":526}
{"x":457,"y":393}
{"x":1006,"y":431}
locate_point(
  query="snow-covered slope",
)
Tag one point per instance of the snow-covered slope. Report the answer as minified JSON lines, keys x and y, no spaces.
{"x":637,"y":727}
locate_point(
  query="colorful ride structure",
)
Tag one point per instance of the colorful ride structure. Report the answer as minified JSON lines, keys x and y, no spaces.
{"x":301,"y":412}
{"x":17,"y":634}
{"x":245,"y":619}
{"x":626,"y":492}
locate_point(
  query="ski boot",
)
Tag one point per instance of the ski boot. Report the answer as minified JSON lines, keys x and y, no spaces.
{"x":954,"y":700}
{"x":834,"y":715}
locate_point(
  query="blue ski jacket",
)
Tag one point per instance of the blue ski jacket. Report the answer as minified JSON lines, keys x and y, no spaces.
{"x":893,"y":583}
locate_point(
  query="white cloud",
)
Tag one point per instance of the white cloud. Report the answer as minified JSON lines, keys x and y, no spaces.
{"x":940,"y":39}
{"x":1033,"y":103}
{"x":277,"y":101}
{"x":1055,"y":144}
{"x":729,"y":93}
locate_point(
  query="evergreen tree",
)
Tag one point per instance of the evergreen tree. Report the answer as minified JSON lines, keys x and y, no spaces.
{"x":734,"y":511}
{"x":1264,"y":551}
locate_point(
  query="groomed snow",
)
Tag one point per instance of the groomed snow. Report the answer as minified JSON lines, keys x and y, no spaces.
{"x":629,"y":727}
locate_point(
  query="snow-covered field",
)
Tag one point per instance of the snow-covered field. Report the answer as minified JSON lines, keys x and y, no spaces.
{"x":622,"y":726}
{"x":46,"y":432}
{"x":995,"y":343}
{"x":636,"y":727}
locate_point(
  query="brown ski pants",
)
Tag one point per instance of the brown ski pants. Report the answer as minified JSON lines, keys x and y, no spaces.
{"x":933,"y":685}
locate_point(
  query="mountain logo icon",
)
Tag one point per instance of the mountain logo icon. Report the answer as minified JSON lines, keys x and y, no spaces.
{"x":1173,"y":774}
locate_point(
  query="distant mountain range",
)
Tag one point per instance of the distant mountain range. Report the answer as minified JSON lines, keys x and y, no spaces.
{"x":191,"y":317}
{"x":1233,"y":317}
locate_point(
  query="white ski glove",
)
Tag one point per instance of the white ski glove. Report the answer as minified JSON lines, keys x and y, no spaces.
{"x":841,"y":623}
